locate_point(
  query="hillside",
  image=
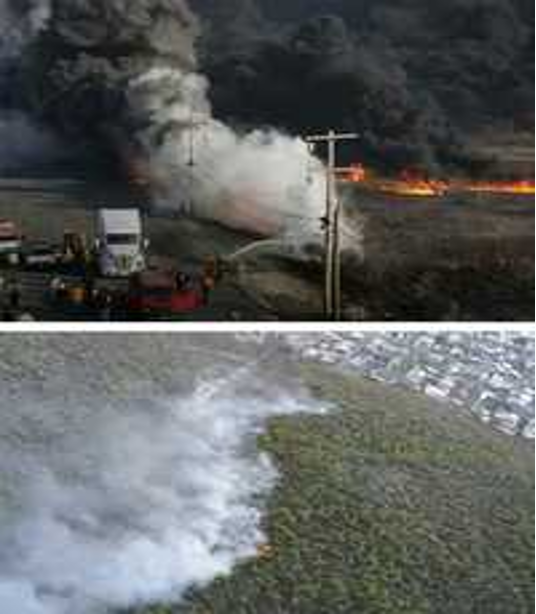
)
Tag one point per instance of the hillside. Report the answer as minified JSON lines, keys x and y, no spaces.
{"x":393,"y":504}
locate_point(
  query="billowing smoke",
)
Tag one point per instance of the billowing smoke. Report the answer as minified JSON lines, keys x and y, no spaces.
{"x":122,"y":76}
{"x":261,"y":180}
{"x":416,"y":83}
{"x":24,"y":144}
{"x":122,"y":500}
{"x":415,"y":78}
{"x":20,"y":22}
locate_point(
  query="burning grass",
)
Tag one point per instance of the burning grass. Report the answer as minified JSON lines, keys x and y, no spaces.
{"x":414,"y":184}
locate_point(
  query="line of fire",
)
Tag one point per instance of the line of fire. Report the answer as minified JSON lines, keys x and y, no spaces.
{"x":413,"y":183}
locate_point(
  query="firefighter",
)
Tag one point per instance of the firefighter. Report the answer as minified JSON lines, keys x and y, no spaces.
{"x":210,"y":276}
{"x":90,"y":290}
{"x":14,"y":295}
{"x":58,"y":289}
{"x":182,"y":281}
{"x":105,"y":305}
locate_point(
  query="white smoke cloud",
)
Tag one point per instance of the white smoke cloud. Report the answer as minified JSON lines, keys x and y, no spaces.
{"x":262,"y":181}
{"x":114,"y":505}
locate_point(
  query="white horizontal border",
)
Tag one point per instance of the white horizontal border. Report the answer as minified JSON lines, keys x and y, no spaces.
{"x":264,"y":327}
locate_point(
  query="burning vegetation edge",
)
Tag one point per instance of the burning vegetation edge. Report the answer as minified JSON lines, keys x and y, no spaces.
{"x":385,"y":511}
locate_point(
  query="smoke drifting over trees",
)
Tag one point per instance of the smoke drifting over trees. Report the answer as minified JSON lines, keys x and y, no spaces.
{"x":115,"y":493}
{"x":414,"y":77}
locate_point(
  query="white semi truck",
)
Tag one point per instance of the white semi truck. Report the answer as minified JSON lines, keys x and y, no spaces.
{"x":120,"y":243}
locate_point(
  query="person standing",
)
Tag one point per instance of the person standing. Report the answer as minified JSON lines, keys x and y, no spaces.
{"x":14,"y":295}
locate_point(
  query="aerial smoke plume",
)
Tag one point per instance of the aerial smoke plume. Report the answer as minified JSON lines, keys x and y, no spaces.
{"x":117,"y":500}
{"x":122,"y":77}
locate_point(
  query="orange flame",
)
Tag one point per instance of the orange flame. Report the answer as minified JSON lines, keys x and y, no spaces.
{"x":411,"y":183}
{"x":357,"y":174}
{"x":523,"y":188}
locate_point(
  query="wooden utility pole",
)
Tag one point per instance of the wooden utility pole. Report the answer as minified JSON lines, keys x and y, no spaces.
{"x":332,"y":291}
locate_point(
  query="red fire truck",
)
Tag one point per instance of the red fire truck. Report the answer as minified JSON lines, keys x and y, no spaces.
{"x":161,"y":292}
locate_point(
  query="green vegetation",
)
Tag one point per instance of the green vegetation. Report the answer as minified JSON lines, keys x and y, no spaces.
{"x":392,"y":504}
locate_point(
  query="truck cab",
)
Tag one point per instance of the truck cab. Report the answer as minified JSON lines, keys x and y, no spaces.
{"x":10,"y":242}
{"x":120,"y":243}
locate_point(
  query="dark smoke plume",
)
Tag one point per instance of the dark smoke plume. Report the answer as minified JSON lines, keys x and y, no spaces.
{"x":80,"y":67}
{"x":416,"y":78}
{"x":122,"y":77}
{"x":24,"y":144}
{"x":122,"y":80}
